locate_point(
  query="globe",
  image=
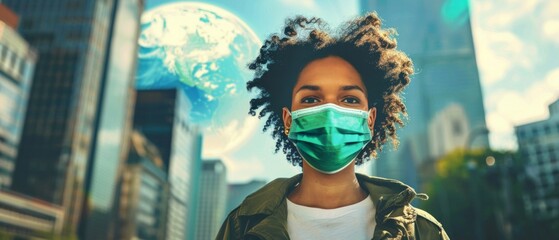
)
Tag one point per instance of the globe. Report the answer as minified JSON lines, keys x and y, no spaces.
{"x":202,"y":50}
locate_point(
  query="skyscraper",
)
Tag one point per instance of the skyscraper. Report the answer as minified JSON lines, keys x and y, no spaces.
{"x":113,"y":121}
{"x":144,"y":193}
{"x":17,"y":64}
{"x":213,"y":199}
{"x":438,"y":38}
{"x":24,"y":217}
{"x":538,"y":144}
{"x":71,"y":37}
{"x":162,"y":116}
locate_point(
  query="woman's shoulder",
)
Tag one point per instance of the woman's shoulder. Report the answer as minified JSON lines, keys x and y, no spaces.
{"x":256,"y":206}
{"x":268,"y":197}
{"x":396,"y":193}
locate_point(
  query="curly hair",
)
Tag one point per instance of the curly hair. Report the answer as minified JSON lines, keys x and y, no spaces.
{"x":370,"y":49}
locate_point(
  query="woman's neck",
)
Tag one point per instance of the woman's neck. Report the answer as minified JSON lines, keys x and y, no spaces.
{"x":327,"y":191}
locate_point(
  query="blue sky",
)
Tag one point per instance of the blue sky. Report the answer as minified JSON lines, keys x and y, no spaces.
{"x":517,"y":43}
{"x":516,"y":47}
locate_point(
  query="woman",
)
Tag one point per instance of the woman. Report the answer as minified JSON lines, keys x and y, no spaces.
{"x":331,"y":102}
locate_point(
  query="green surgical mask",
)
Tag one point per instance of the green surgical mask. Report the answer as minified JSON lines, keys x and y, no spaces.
{"x":328,"y":136}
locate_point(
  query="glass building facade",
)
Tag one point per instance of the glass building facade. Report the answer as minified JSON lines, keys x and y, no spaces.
{"x":437,"y":36}
{"x":113,"y":122}
{"x":23,"y":217}
{"x":143,"y":192}
{"x":538,"y":144}
{"x":17,"y":64}
{"x":71,"y":39}
{"x":161,"y":115}
{"x":211,"y":211}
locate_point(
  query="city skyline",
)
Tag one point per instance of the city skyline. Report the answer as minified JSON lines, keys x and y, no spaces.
{"x":144,"y":132}
{"x":500,"y":114}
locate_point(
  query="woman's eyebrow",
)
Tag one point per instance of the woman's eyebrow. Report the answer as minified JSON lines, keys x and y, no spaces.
{"x":352,"y":87}
{"x":308,"y":87}
{"x":344,"y":88}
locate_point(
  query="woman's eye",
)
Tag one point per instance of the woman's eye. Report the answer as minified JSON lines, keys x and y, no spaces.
{"x":351,"y":100}
{"x":309,"y":100}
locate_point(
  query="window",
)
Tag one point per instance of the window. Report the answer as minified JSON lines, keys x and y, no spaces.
{"x":538,"y":150}
{"x":3,"y":53}
{"x":547,"y":129}
{"x":14,"y":59}
{"x":456,"y":128}
{"x":520,"y":133}
{"x":535,"y":131}
{"x":22,"y":65}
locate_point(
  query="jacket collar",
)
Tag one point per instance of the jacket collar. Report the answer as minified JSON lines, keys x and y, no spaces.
{"x":269,"y":197}
{"x":388,"y":195}
{"x":270,"y":201}
{"x":385,"y":194}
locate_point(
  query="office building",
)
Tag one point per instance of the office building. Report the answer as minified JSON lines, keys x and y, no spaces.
{"x":71,"y":38}
{"x":113,"y":122}
{"x":437,"y":36}
{"x":23,"y":217}
{"x":213,"y":201}
{"x":538,"y":144}
{"x":161,"y":115}
{"x":17,"y":64}
{"x":448,"y":130}
{"x":143,"y":194}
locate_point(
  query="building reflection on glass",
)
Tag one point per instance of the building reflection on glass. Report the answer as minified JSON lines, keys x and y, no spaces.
{"x":144,"y":192}
{"x":437,"y":36}
{"x":161,"y":116}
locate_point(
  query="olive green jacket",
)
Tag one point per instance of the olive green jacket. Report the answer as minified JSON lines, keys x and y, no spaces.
{"x":263,"y":214}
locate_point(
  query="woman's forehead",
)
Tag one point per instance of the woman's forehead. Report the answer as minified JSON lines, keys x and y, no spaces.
{"x":329,"y":72}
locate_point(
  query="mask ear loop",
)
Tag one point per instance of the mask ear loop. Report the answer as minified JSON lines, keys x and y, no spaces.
{"x":292,"y":142}
{"x":370,"y":133}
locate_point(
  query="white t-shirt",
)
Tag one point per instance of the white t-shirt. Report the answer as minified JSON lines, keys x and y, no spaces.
{"x":356,"y":221}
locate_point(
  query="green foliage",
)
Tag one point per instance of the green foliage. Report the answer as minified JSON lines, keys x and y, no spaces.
{"x":5,"y":235}
{"x":467,"y":188}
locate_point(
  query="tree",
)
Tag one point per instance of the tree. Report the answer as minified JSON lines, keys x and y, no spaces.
{"x":476,"y":194}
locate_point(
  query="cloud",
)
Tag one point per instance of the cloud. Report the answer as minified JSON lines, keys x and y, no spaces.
{"x":549,"y":11}
{"x":504,"y":13}
{"x":509,"y":34}
{"x":552,"y":81}
{"x":503,"y":141}
{"x":230,"y":137}
{"x":550,"y":30}
{"x":510,"y":108}
{"x":309,"y":4}
{"x":497,"y":123}
{"x":501,"y":14}
{"x":498,"y":53}
{"x":528,"y":106}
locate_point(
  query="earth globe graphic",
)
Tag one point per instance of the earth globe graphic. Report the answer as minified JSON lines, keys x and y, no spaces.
{"x":202,"y":50}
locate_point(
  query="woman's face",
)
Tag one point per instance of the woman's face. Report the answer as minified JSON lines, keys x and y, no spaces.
{"x":329,"y":80}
